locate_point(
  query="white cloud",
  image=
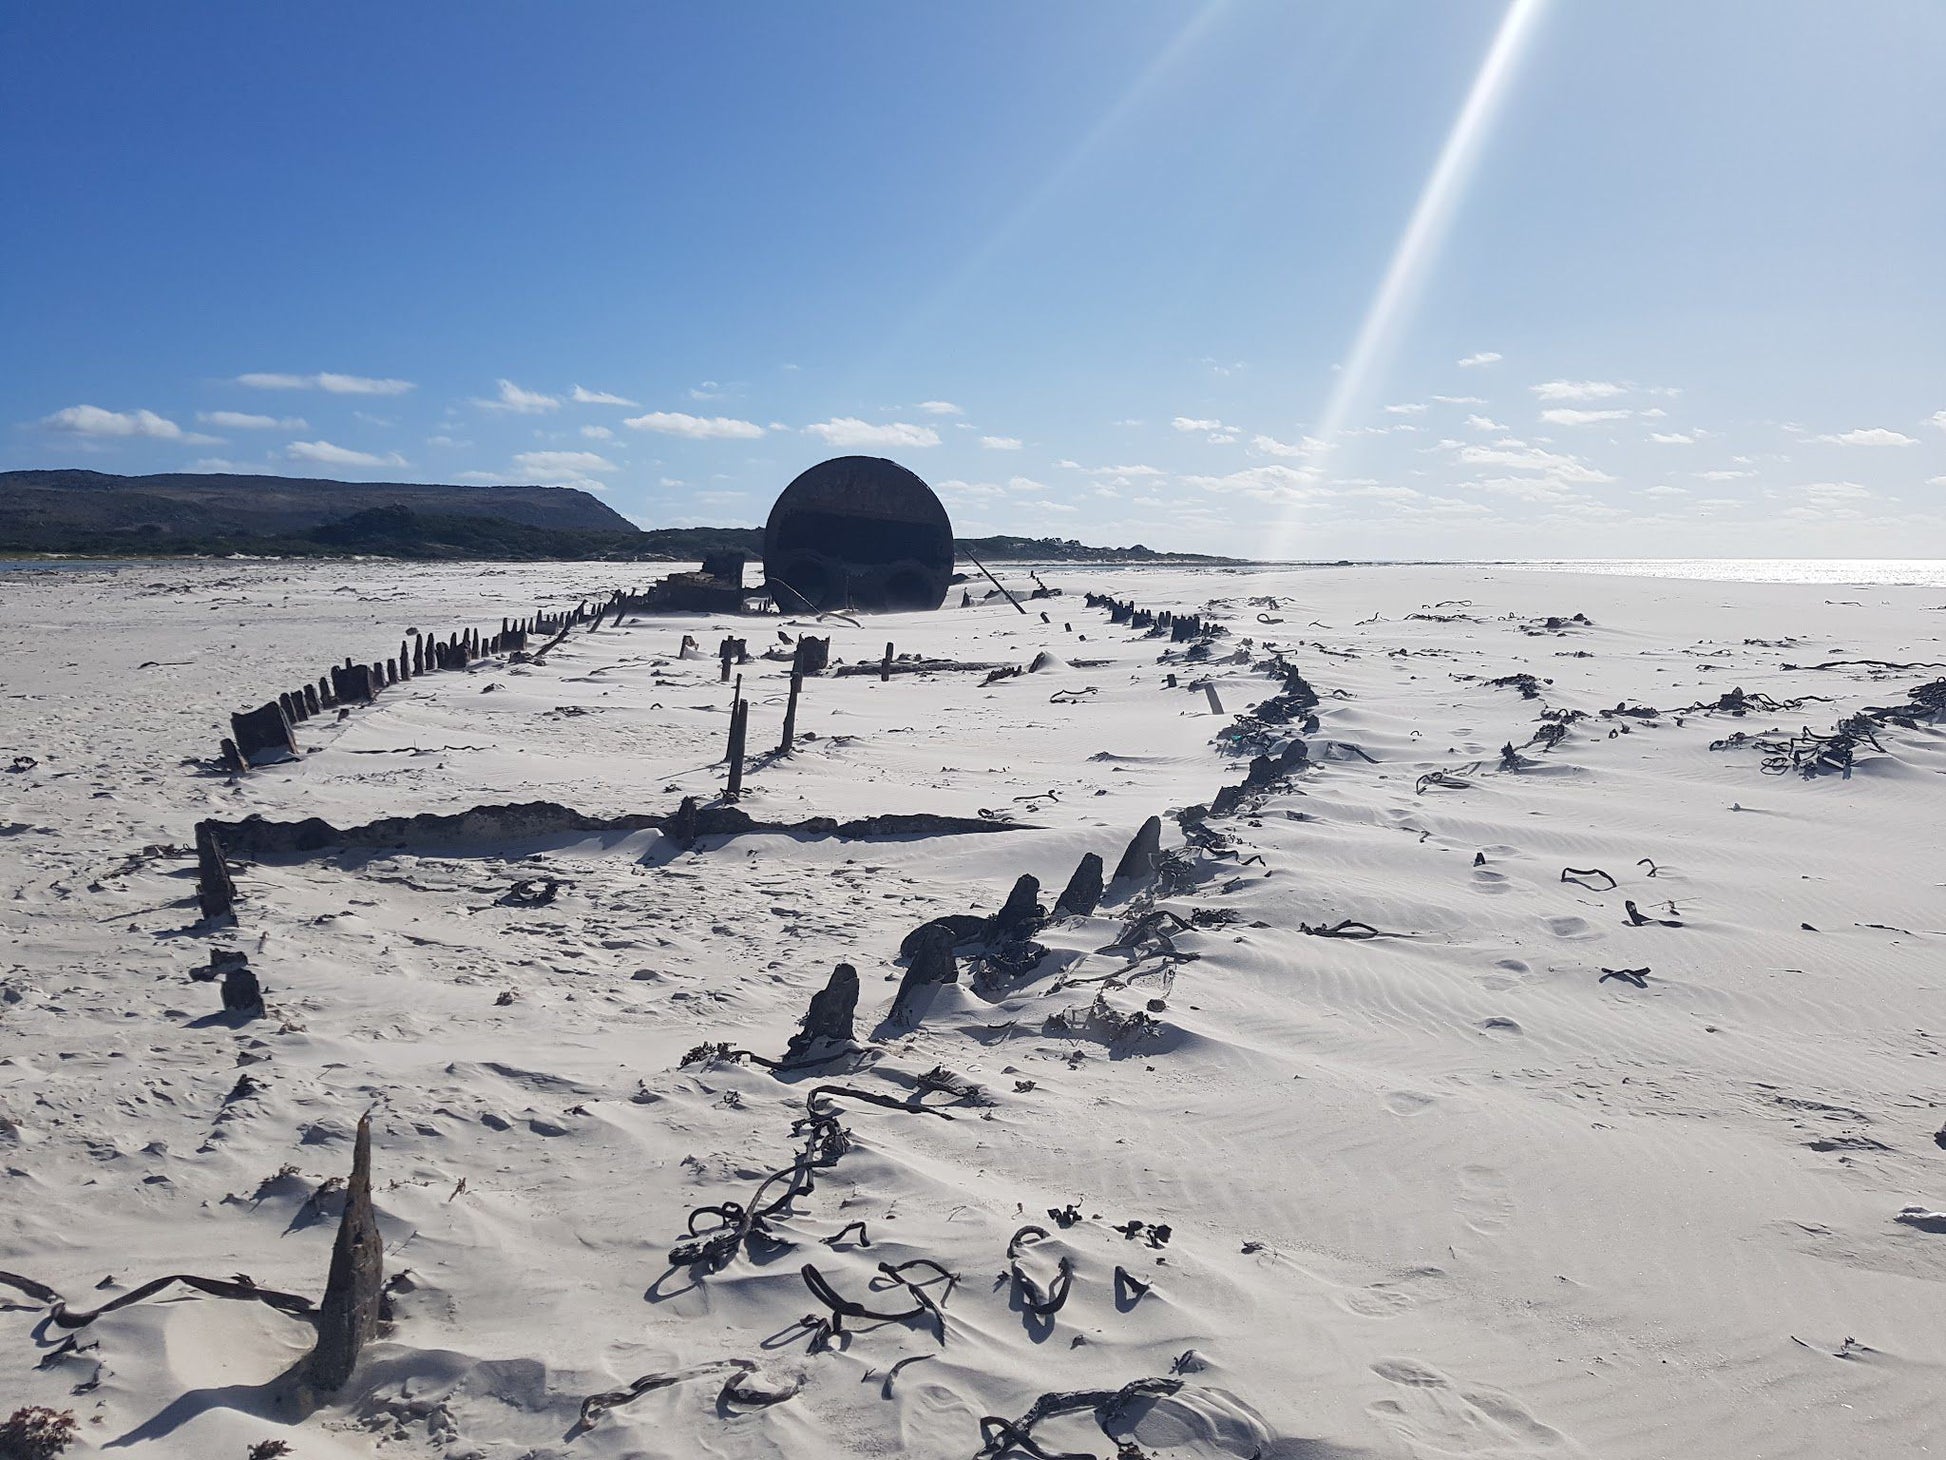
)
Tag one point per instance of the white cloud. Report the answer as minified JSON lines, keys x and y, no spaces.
{"x":940,"y":408}
{"x":1579,"y":390}
{"x":520,"y":402}
{"x":1831,"y":494}
{"x":696,"y":428}
{"x":1485,"y":357}
{"x":1568,"y":416}
{"x":1271,"y":446}
{"x":850,"y":431}
{"x":1484,"y":423}
{"x":325,"y":452}
{"x":1938,"y":418}
{"x":244,"y":421}
{"x":220,"y":465}
{"x":1408,"y":408}
{"x":708,"y":390}
{"x":1000,"y":443}
{"x":582,"y":396}
{"x":1672,"y":438}
{"x":1460,"y":400}
{"x":1270,"y":483}
{"x":1190,"y":423}
{"x":971,"y":491}
{"x":1869,"y":436}
{"x":562,"y":466}
{"x":1112,"y":472}
{"x":1724,"y":476}
{"x":1518,"y":456}
{"x":325,"y":381}
{"x":598,"y":433}
{"x":95,"y":422}
{"x":1666,"y":491}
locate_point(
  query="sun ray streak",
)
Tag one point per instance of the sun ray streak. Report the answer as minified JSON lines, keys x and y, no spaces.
{"x":1420,"y":243}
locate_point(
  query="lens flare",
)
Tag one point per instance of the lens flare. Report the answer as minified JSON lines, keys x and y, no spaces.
{"x":1419,"y":244}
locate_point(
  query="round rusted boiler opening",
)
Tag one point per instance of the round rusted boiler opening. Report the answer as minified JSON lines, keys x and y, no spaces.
{"x":858,"y":533}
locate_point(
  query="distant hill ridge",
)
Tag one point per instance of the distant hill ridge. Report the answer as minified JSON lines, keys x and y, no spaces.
{"x":186,"y":513}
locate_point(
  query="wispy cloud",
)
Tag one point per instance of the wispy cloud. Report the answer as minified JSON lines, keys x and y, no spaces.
{"x":1270,"y":483}
{"x":940,"y":408}
{"x":598,"y":433}
{"x":244,"y":421}
{"x":1460,"y":400}
{"x":562,"y":466}
{"x":1938,"y":419}
{"x":1484,"y":423}
{"x":1570,"y":416}
{"x":1869,"y":436}
{"x":327,"y":454}
{"x":325,"y":381}
{"x":1193,"y":423}
{"x":520,"y":402}
{"x":1271,"y":446}
{"x":99,"y":424}
{"x":1518,"y":456}
{"x":1484,"y":357}
{"x":696,"y":428}
{"x":1000,"y":443}
{"x":850,"y":431}
{"x":1578,"y":390}
{"x":582,"y":396}
{"x":1724,"y":474}
{"x":1408,"y":408}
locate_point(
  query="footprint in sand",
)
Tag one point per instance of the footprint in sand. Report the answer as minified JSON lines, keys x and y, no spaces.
{"x":1484,"y":1201}
{"x":1485,"y":879}
{"x":1513,"y":973}
{"x":1569,"y":926}
{"x":1407,"y":1102}
{"x":1435,"y":1416}
{"x":1389,"y":1299}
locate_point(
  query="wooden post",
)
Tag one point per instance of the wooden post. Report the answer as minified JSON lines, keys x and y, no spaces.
{"x":885,"y":669}
{"x":215,"y":892}
{"x":348,"y":1316}
{"x":739,"y":726}
{"x":790,"y":705}
{"x":726,"y":651}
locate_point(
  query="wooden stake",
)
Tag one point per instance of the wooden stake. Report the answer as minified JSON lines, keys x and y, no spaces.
{"x":790,"y":705}
{"x":739,"y":727}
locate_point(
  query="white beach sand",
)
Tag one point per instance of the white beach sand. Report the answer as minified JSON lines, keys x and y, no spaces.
{"x":1451,"y":1193}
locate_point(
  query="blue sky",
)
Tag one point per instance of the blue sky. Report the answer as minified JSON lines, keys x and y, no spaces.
{"x":1093,"y":270}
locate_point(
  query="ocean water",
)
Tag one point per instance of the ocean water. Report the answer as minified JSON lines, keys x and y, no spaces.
{"x":1834,"y":572}
{"x":1831,"y":572}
